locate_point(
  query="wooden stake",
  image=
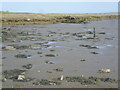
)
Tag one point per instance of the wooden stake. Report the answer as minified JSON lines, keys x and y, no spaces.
{"x":94,"y":36}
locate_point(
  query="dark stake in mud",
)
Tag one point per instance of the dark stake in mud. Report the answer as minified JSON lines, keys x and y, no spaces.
{"x":94,"y":33}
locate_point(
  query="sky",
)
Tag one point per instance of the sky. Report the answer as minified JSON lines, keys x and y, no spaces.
{"x":60,"y":7}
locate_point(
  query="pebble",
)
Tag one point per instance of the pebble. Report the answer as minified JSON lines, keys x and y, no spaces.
{"x":61,"y":78}
{"x":21,"y":77}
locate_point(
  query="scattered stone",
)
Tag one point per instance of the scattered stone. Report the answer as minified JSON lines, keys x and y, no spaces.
{"x":4,"y":80}
{"x":94,"y":52}
{"x":46,"y":82}
{"x":21,"y":47}
{"x":97,"y":79}
{"x":89,"y":32}
{"x":16,"y":75}
{"x":49,"y":62}
{"x":109,"y":38}
{"x":28,"y":66}
{"x":52,"y":50}
{"x":9,"y":48}
{"x":59,"y":69}
{"x":105,"y":71}
{"x":82,"y":60}
{"x":49,"y":35}
{"x":61,"y":78}
{"x":48,"y":71}
{"x":21,"y":77}
{"x":102,"y":33}
{"x":11,"y":74}
{"x":38,"y":70}
{"x":82,"y":80}
{"x":22,"y":56}
{"x":89,"y":46}
{"x":50,"y":55}
{"x":4,"y":57}
{"x":39,"y":52}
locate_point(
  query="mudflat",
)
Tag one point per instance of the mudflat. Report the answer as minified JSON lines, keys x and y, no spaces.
{"x":61,"y":55}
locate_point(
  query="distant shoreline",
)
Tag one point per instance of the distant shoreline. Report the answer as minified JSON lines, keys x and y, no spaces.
{"x":9,"y":18}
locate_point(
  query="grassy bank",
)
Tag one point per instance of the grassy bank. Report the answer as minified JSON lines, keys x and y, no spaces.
{"x":30,"y":18}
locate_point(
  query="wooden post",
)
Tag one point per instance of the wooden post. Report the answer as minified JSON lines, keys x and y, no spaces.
{"x":94,"y":33}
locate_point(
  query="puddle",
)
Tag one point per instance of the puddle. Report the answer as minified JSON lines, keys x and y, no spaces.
{"x":88,"y":29}
{"x":44,"y":47}
{"x":51,"y":42}
{"x":35,"y":48}
{"x":44,"y":42}
{"x":109,"y":45}
{"x":102,"y":47}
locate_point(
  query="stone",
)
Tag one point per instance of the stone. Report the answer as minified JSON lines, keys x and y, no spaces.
{"x":21,"y":77}
{"x":9,"y":48}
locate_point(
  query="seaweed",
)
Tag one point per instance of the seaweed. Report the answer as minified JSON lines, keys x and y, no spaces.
{"x":11,"y":74}
{"x":46,"y":82}
{"x":15,"y":75}
{"x":94,"y":52}
{"x":89,"y":46}
{"x":28,"y":66}
{"x":21,"y":56}
{"x":82,"y":80}
{"x":50,"y":55}
{"x":49,"y":62}
{"x":59,"y":69}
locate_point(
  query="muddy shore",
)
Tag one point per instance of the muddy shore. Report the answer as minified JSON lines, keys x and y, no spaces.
{"x":64,"y":55}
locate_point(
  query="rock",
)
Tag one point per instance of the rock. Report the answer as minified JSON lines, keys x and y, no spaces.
{"x":38,"y":70}
{"x":82,"y":80}
{"x":48,"y":71}
{"x":82,"y":75}
{"x":21,"y":77}
{"x":39,"y":52}
{"x":59,"y":69}
{"x":46,"y":82}
{"x":4,"y":79}
{"x":28,"y":19}
{"x":50,"y":55}
{"x":9,"y":48}
{"x":22,"y":56}
{"x":61,"y":78}
{"x":102,"y":33}
{"x":28,"y":66}
{"x":104,"y":71}
{"x":4,"y":57}
{"x":94,"y":52}
{"x":49,"y":62}
{"x":89,"y":46}
{"x":82,"y":60}
{"x":52,"y":50}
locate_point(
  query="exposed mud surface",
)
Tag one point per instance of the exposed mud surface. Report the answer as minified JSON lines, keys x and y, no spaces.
{"x":35,"y":56}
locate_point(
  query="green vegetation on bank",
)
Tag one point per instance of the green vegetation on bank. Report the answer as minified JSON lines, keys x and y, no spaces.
{"x":10,"y":18}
